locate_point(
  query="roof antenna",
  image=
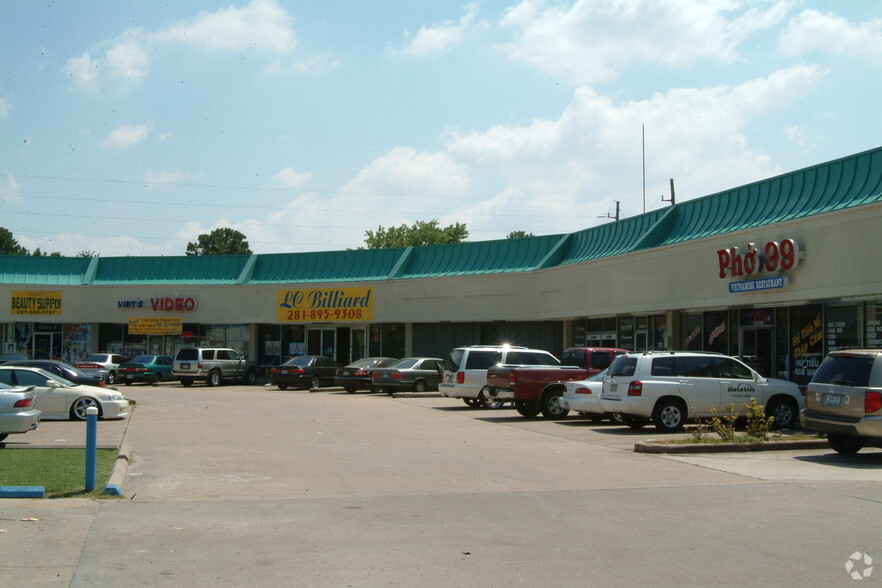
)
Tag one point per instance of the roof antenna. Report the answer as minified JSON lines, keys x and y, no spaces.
{"x":671,"y":199}
{"x":608,"y":215}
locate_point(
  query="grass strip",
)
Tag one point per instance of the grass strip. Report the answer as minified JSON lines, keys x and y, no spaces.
{"x":62,"y":472}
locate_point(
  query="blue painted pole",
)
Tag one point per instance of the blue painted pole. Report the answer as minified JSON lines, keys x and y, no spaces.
{"x":91,"y":446}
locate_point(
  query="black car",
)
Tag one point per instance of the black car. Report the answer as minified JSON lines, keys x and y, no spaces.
{"x":358,"y":374}
{"x":62,"y":369}
{"x":304,"y":371}
{"x":411,"y":374}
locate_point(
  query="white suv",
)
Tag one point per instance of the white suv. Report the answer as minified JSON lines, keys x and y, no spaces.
{"x":465,"y":370}
{"x":668,"y":388}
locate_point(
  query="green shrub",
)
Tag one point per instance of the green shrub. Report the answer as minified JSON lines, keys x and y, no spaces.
{"x":724,"y":426}
{"x":758,"y":424}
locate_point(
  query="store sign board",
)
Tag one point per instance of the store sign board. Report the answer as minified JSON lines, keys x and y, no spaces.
{"x":772,"y":257}
{"x":176,"y":304}
{"x":759,"y":284}
{"x":35,"y":302}
{"x":156,"y":326}
{"x":325,"y":304}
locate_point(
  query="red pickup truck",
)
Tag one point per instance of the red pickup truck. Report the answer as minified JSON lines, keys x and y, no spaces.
{"x":535,"y":389}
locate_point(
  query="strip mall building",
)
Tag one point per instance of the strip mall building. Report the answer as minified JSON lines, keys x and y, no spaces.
{"x":779,"y":272}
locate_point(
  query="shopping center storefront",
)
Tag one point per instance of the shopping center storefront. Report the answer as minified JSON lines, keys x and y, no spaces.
{"x":778,"y":272}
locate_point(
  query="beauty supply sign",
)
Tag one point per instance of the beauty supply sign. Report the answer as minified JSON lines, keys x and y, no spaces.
{"x":325,"y":305}
{"x":760,"y":265}
{"x":35,"y":302}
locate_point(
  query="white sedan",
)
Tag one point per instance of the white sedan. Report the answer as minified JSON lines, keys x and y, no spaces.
{"x":583,"y":396}
{"x":61,"y":399}
{"x":17,"y":411}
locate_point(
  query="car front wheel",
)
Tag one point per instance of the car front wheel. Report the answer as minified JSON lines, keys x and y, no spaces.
{"x":78,"y":408}
{"x":315,"y":383}
{"x":419,"y":386}
{"x":251,"y":377}
{"x":784,"y":411}
{"x":111,"y":377}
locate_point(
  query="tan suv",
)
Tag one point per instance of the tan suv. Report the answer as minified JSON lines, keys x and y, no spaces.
{"x":212,"y":364}
{"x":844,"y":400}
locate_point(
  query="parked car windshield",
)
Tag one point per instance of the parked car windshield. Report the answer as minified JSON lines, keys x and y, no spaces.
{"x":96,"y":357}
{"x":844,"y":371}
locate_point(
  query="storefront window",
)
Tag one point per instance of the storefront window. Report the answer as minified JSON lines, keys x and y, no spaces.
{"x":873,"y":325}
{"x":716,"y":331}
{"x":660,"y":332}
{"x":806,"y":342}
{"x":691,"y":333}
{"x":841,"y":327}
{"x":110,"y":338}
{"x":77,"y":341}
{"x":626,"y":333}
{"x":387,"y":340}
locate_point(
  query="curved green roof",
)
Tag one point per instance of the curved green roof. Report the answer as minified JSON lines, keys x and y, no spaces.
{"x":843,"y":183}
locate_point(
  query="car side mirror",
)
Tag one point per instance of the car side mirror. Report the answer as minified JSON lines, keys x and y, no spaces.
{"x":53,"y":384}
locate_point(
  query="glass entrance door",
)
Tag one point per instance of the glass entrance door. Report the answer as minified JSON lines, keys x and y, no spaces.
{"x":46,"y":346}
{"x":321,"y":342}
{"x":756,"y":347}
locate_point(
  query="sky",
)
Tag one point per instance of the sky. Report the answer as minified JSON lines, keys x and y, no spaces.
{"x":130,"y":127}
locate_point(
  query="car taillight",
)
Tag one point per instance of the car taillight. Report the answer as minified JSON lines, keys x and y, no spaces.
{"x":101,"y":383}
{"x":583,"y":390}
{"x":296,"y":370}
{"x":275,"y":370}
{"x":460,"y":377}
{"x":872,"y":401}
{"x":199,"y":365}
{"x":396,"y":376}
{"x":512,"y":379}
{"x":358,"y":372}
{"x":635,"y":388}
{"x":24,"y":403}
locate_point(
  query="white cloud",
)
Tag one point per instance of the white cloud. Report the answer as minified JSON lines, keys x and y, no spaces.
{"x":827,"y":33}
{"x":404,"y":169}
{"x":440,"y":38}
{"x":126,"y":136}
{"x":261,"y":25}
{"x":5,"y":107}
{"x":591,"y":42}
{"x":591,"y":156}
{"x":289,"y":178}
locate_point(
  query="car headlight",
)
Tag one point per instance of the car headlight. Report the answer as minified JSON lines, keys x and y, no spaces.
{"x":116,"y":396}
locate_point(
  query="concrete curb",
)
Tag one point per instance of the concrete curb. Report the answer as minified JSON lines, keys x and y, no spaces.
{"x":674,"y":448}
{"x":115,"y":484}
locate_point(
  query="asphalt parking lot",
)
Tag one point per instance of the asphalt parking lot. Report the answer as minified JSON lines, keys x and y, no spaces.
{"x":240,"y":485}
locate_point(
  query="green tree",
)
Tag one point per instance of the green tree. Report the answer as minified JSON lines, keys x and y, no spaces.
{"x":38,"y":253}
{"x":223,"y":241}
{"x":519,"y":234}
{"x":420,"y":233}
{"x":88,"y":253}
{"x":8,"y":244}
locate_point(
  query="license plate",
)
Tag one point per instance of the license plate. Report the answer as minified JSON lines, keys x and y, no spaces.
{"x":129,"y":376}
{"x":185,"y":366}
{"x":833,"y":400}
